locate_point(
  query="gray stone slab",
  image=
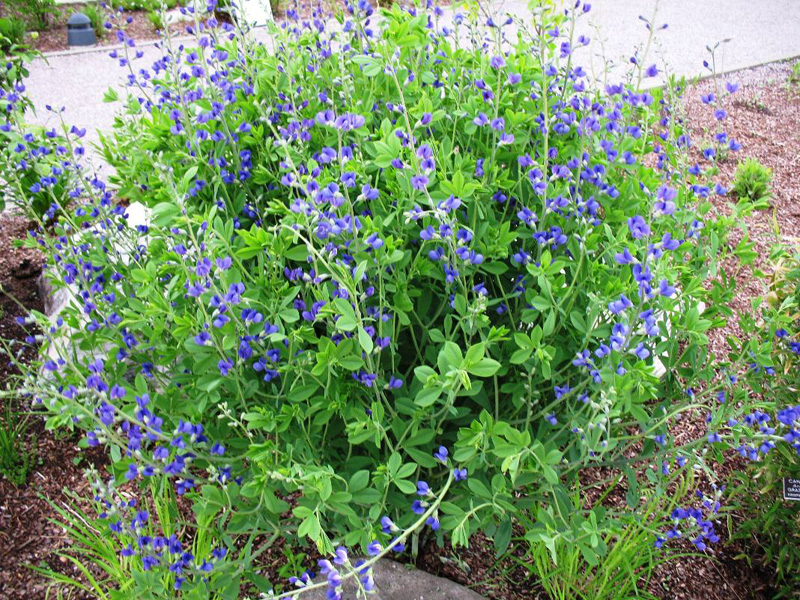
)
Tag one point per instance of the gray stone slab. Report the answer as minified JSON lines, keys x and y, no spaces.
{"x":394,"y":581}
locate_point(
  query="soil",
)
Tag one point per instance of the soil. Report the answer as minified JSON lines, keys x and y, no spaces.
{"x":764,"y":118}
{"x":27,"y":536}
{"x":763,"y":115}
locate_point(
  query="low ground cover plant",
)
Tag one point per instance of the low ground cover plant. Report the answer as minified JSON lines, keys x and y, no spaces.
{"x":15,"y":459}
{"x":752,"y":181}
{"x":399,"y":279}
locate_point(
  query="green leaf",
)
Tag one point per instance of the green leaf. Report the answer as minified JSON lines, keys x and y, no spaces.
{"x":394,"y":463}
{"x":502,"y":538}
{"x":427,"y":396}
{"x":486,"y":367}
{"x":495,"y":267}
{"x":523,"y":341}
{"x":406,"y":471}
{"x":519,"y":357}
{"x":110,"y":96}
{"x":347,"y":318}
{"x":165,"y":214}
{"x":372,"y":69}
{"x":423,"y":459}
{"x":478,"y":488}
{"x":475,"y":353}
{"x":365,"y":341}
{"x":298,"y":393}
{"x":540,"y":303}
{"x":298,"y":253}
{"x":405,"y":486}
{"x":450,"y":356}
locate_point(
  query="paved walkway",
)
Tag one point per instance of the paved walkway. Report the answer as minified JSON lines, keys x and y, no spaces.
{"x":759,"y":31}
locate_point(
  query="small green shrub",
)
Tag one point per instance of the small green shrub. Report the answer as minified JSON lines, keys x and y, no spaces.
{"x":93,"y":546}
{"x":752,"y":181}
{"x":155,"y":19}
{"x":794,"y":76}
{"x":12,"y":33}
{"x":97,"y":17}
{"x":26,"y":153}
{"x":36,"y":13}
{"x":27,"y":158}
{"x":602,"y":561}
{"x":772,"y":525}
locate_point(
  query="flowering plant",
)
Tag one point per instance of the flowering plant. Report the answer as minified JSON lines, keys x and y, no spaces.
{"x":33,"y":155}
{"x":383,"y":247}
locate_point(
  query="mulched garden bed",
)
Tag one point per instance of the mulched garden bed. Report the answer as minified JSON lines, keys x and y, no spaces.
{"x":27,"y":537}
{"x":764,"y":118}
{"x":54,"y":38}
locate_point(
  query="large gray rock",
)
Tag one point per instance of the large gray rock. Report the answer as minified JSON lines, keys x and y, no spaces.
{"x":394,"y":581}
{"x":54,"y":299}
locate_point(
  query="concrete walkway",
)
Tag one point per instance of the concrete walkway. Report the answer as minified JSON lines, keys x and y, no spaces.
{"x":78,"y":82}
{"x":759,"y":31}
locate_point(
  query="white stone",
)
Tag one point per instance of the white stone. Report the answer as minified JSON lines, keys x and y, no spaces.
{"x":176,"y":16}
{"x":257,"y":13}
{"x":138,"y":214}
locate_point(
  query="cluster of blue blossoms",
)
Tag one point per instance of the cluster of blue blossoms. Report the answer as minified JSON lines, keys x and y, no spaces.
{"x":356,"y":204}
{"x":139,"y":537}
{"x":699,"y":521}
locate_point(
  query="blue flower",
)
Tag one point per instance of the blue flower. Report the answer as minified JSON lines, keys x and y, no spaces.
{"x":638,"y":227}
{"x":388,"y":526}
{"x":665,"y":200}
{"x":497,"y":62}
{"x":419,"y":182}
{"x":665,"y":289}
{"x":625,"y":257}
{"x":481,"y":120}
{"x":618,"y":306}
{"x":225,"y":365}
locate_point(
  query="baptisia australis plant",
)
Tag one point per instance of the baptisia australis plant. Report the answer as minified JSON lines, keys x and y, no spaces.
{"x":34,"y":155}
{"x":379,"y":237}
